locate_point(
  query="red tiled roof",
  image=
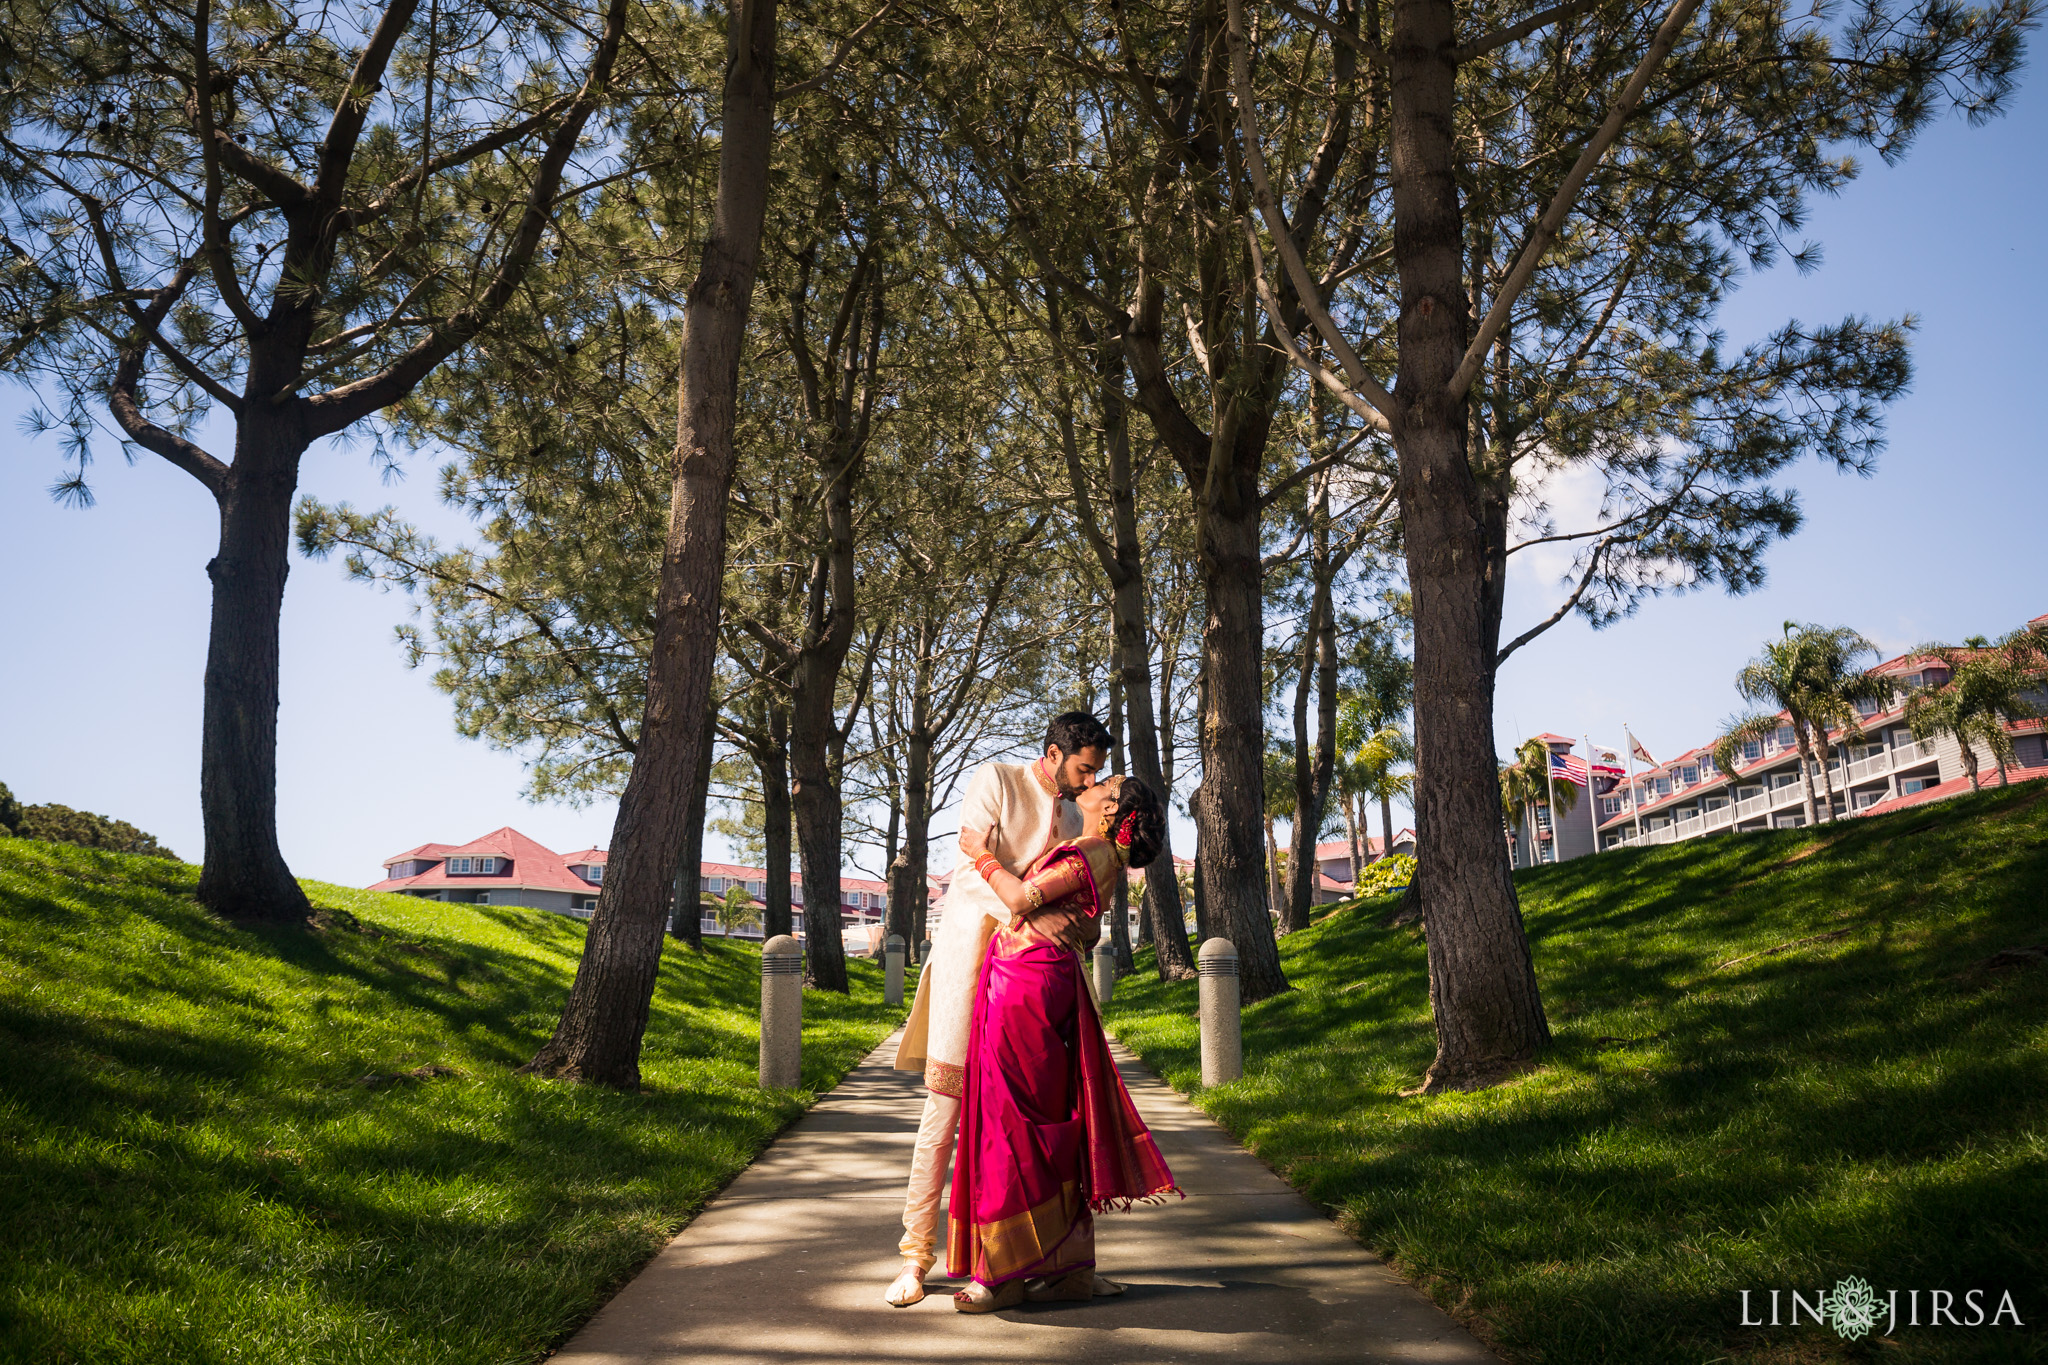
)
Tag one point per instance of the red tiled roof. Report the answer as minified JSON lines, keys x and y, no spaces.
{"x":1373,"y":845}
{"x":538,"y":868}
{"x":423,"y":851}
{"x":1556,"y":739}
{"x":533,"y":867}
{"x":1987,"y":776}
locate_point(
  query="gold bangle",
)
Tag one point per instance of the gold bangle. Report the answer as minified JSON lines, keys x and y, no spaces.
{"x":1033,"y":897}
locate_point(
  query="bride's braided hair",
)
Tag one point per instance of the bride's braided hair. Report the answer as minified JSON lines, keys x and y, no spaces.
{"x":1141,"y":816}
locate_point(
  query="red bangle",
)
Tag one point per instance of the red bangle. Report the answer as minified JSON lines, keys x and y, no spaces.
{"x":987,"y":863}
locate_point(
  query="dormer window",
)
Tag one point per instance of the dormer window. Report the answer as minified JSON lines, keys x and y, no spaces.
{"x":595,"y":872}
{"x":472,"y":867}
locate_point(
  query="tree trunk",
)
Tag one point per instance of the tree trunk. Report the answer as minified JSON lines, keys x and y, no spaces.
{"x":1203,"y":931}
{"x":1162,"y":917}
{"x":1233,"y":743}
{"x":1351,"y":836}
{"x":818,"y":814}
{"x":908,"y":881}
{"x":773,"y":765}
{"x":1386,"y":826}
{"x":1120,"y":909}
{"x":1276,"y":892}
{"x":1827,"y":782}
{"x":245,"y":876}
{"x":686,"y":918}
{"x":1313,"y":768}
{"x":1482,"y":983}
{"x":1805,"y":745}
{"x":598,"y":1036}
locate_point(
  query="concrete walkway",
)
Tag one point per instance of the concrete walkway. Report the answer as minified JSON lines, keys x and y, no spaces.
{"x":787,"y":1267}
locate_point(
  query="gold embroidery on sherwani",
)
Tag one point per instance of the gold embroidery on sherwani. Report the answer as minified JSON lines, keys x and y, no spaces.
{"x":1042,"y":1239}
{"x":1045,"y":782}
{"x":944,"y":1078}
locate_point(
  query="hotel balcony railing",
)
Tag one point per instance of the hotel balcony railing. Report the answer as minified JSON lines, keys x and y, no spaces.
{"x":1784,"y":796}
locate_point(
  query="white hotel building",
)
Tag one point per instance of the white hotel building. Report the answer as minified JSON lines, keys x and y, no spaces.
{"x":1688,"y":797}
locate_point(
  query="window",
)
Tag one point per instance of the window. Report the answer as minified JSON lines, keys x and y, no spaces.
{"x":1915,"y":784}
{"x":1752,"y":748}
{"x":483,"y":898}
{"x":595,"y":872}
{"x":1689,"y":774}
{"x":1662,"y":786}
{"x":1864,"y":799}
{"x":1611,"y":805}
{"x":1785,"y":737}
{"x":757,"y":889}
{"x":1707,"y":766}
{"x":1868,"y":707}
{"x":459,"y":867}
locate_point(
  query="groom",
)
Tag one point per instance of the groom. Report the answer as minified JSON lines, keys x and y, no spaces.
{"x":1029,"y":807}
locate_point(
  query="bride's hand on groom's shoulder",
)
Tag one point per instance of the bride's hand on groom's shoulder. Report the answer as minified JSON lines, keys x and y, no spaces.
{"x":974,"y":842}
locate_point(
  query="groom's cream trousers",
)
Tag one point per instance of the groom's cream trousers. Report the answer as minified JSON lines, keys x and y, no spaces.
{"x":928,"y":1162}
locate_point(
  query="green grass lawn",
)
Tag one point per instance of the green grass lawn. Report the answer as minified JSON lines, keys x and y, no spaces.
{"x":193,"y":1168}
{"x":1870,"y":1102}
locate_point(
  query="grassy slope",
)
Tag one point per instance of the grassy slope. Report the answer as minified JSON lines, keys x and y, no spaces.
{"x":194,"y":1171}
{"x":1873,"y":1104}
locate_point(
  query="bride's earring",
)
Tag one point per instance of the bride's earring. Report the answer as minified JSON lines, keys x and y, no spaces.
{"x":1103,"y":827}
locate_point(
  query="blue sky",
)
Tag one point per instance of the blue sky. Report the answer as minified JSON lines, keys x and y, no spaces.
{"x":106,"y":609}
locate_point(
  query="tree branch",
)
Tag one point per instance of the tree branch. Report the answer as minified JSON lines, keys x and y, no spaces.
{"x":1514,"y":33}
{"x":1667,"y":36}
{"x":1370,"y":51}
{"x":1585,"y":581}
{"x":121,"y":399}
{"x":340,"y":408}
{"x":1378,"y":407}
{"x":839,"y":55}
{"x":345,"y":128}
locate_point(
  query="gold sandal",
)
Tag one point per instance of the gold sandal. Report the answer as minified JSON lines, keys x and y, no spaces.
{"x":1009,"y":1296}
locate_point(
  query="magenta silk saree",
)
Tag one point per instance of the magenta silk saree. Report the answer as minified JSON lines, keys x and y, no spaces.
{"x":1048,"y":1133}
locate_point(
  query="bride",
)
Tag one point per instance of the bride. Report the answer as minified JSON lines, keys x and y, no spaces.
{"x":1048,"y":1133}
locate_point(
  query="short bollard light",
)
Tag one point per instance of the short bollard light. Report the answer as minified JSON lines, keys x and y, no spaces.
{"x":924,"y":952}
{"x":1105,"y":972}
{"x":1222,"y":1028}
{"x":782,"y":1013}
{"x":892,"y":972}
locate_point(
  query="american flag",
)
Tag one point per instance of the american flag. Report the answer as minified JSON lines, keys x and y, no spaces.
{"x":1570,"y":767}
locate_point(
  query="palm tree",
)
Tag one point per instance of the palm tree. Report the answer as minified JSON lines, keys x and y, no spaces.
{"x":1372,"y":749}
{"x":1279,"y":806}
{"x":1525,"y":784}
{"x":1986,"y":688}
{"x":1810,"y":675}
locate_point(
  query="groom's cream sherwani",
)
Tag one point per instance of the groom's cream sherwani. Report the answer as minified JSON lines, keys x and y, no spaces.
{"x":1028,"y":817}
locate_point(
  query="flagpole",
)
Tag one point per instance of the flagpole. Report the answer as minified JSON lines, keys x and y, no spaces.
{"x":1592,"y":793}
{"x":1635,"y":797}
{"x":1550,"y":775}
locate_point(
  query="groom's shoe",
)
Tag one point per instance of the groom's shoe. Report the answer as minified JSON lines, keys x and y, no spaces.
{"x":907,"y":1288}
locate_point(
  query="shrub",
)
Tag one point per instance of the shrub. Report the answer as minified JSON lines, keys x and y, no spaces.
{"x":1390,"y":873}
{"x":63,"y":825}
